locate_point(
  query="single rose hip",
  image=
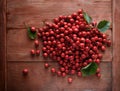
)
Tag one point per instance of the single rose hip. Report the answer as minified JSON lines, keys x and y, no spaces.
{"x":46,"y":65}
{"x":37,"y":52}
{"x":62,"y":69}
{"x":25,"y":71}
{"x":98,"y":70}
{"x":98,"y":75}
{"x":36,"y":43}
{"x":79,"y":74}
{"x":103,"y":48}
{"x":97,"y":61}
{"x":32,"y":52}
{"x":99,"y":55}
{"x":33,"y":29}
{"x":70,"y":80}
{"x":72,"y":72}
{"x":45,"y":55}
{"x":108,"y":43}
{"x":53,"y":70}
{"x":63,"y":74}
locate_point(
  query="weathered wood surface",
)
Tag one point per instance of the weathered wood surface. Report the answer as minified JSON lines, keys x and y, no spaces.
{"x":34,"y":12}
{"x":41,"y":79}
{"x":116,"y":45}
{"x":2,"y":43}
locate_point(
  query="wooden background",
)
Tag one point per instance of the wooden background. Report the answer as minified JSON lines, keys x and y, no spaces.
{"x":15,"y":45}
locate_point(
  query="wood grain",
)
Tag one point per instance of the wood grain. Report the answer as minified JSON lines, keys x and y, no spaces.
{"x":116,"y":45}
{"x":2,"y":43}
{"x":34,"y":12}
{"x":19,"y":46}
{"x":41,"y":79}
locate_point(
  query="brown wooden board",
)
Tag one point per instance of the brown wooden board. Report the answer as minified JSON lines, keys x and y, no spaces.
{"x":2,"y":44}
{"x":15,"y":45}
{"x":116,"y":45}
{"x":41,"y":79}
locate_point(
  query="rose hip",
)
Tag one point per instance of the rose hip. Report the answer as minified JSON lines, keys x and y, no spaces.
{"x":25,"y":71}
{"x":32,"y":52}
{"x":70,"y":80}
{"x":53,"y":70}
{"x":37,"y":52}
{"x":46,"y":65}
{"x":33,"y":29}
{"x":36,"y":43}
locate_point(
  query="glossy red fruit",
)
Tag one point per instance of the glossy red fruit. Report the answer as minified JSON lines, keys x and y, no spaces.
{"x":63,"y":74}
{"x":108,"y":43}
{"x":98,"y":75}
{"x":33,"y":29}
{"x":97,"y":61}
{"x":79,"y":74}
{"x":98,"y":70}
{"x":37,"y":52}
{"x":36,"y":43}
{"x":103,"y":48}
{"x":59,"y":73}
{"x":25,"y":71}
{"x":45,"y":55}
{"x":32,"y":52}
{"x":46,"y":65}
{"x":94,"y":23}
{"x":72,"y":72}
{"x":62,"y":69}
{"x":70,"y":80}
{"x":53,"y":70}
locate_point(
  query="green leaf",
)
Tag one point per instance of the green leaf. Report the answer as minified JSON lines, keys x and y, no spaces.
{"x":31,"y":34}
{"x":90,"y":69}
{"x":103,"y":25}
{"x":87,"y":17}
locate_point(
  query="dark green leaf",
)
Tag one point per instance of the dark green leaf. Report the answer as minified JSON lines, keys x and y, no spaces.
{"x":103,"y":25}
{"x":90,"y":69}
{"x":31,"y":34}
{"x":87,"y":17}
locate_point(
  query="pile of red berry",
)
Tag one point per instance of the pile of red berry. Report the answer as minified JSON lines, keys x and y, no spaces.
{"x":73,"y":43}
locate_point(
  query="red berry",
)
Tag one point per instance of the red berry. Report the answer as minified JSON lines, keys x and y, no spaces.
{"x":103,"y":48}
{"x":72,"y":72}
{"x":32,"y":52}
{"x":25,"y":71}
{"x":36,"y":43}
{"x":53,"y":70}
{"x":98,"y":70}
{"x":37,"y":52}
{"x":59,"y":73}
{"x":79,"y":74}
{"x":108,"y":43}
{"x":62,"y":69}
{"x":45,"y":55}
{"x":97,"y":61}
{"x":98,"y":75}
{"x":33,"y":29}
{"x":63,"y":74}
{"x":70,"y":80}
{"x":46,"y":65}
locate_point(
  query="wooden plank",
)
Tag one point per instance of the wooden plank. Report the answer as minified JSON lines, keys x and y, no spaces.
{"x":33,"y":12}
{"x":2,"y":43}
{"x":19,"y":46}
{"x":116,"y":45}
{"x":41,"y":79}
